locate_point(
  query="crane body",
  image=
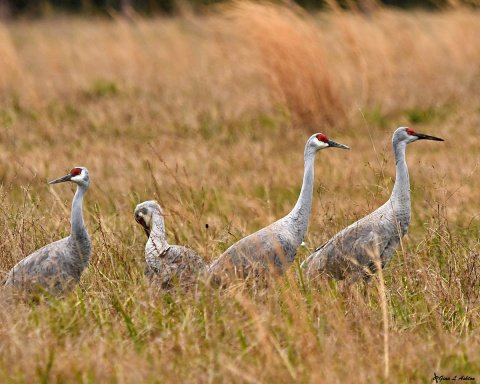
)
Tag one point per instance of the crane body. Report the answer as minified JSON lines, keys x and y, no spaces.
{"x":356,"y":251}
{"x":57,"y":267}
{"x":166,"y":265}
{"x":273,"y":248}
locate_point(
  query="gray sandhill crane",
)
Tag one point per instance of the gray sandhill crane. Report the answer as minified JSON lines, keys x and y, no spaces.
{"x":166,"y":265}
{"x":273,"y":248}
{"x":57,"y":267}
{"x":351,"y":253}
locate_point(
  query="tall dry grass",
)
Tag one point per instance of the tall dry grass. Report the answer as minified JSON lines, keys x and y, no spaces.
{"x":209,"y":115}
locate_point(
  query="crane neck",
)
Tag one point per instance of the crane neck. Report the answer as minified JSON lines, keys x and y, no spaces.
{"x":401,"y":189}
{"x":157,"y":231}
{"x":302,"y":208}
{"x":77,"y":224}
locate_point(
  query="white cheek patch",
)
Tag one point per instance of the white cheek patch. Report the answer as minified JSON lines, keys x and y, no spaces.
{"x":146,"y":219}
{"x":79,"y":177}
{"x":321,"y":144}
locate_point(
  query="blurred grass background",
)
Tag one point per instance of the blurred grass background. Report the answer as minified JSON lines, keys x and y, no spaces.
{"x":208,"y":113}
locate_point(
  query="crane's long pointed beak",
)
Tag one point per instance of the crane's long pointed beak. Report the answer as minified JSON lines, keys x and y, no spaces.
{"x":332,"y":143}
{"x":61,"y":179}
{"x":141,"y":221}
{"x":147,"y":231}
{"x":421,"y":136}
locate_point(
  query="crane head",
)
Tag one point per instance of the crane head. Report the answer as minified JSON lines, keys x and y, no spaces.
{"x":408,"y":135}
{"x":143,"y":214}
{"x":321,"y":141}
{"x":77,"y":175}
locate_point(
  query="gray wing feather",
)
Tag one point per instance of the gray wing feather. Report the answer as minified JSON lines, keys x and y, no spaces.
{"x":175,"y":265}
{"x":354,"y":249}
{"x":271,"y":249}
{"x":44,"y":268}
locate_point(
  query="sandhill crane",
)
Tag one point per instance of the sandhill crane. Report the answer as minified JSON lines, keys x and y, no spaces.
{"x":273,"y":248}
{"x":166,"y":265}
{"x":351,"y":253}
{"x":57,"y":267}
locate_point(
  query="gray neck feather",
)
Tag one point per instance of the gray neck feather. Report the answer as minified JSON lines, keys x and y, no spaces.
{"x":301,"y":211}
{"x":79,"y":239}
{"x":401,"y":189}
{"x":400,"y":198}
{"x":78,"y":227}
{"x":157,"y":233}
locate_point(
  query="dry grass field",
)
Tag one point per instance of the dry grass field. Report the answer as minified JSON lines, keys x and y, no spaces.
{"x":209,"y":115}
